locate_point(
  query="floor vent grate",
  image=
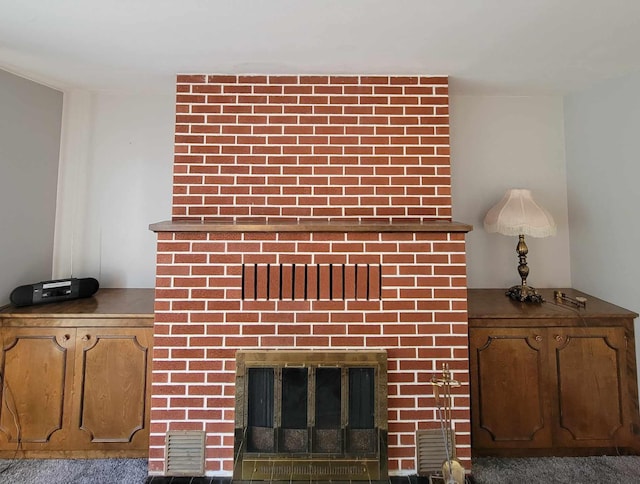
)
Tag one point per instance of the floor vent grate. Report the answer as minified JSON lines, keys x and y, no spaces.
{"x":185,"y":453}
{"x":431,"y":450}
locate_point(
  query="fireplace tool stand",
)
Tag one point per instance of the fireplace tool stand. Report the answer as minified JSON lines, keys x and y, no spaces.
{"x":452,"y":470}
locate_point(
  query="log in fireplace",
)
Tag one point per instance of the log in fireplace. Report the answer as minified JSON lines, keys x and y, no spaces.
{"x":308,"y":415}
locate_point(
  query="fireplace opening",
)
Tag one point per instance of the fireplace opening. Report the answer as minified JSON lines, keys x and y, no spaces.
{"x":311,"y":415}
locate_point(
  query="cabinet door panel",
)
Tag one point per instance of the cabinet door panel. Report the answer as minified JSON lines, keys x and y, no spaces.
{"x":36,"y":379}
{"x":113,"y":380}
{"x":590,"y":385}
{"x":509,"y":399}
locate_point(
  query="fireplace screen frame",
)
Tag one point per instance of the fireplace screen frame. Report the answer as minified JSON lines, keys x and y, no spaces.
{"x":360,"y":454}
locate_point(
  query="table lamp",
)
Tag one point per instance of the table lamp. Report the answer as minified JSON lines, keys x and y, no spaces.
{"x":518,"y":214}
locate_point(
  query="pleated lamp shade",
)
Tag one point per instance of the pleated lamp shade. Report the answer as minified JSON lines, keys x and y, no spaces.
{"x":518,"y":214}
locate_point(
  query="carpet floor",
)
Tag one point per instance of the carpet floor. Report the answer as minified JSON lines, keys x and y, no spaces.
{"x":558,"y":470}
{"x":73,"y":471}
{"x":486,"y":470}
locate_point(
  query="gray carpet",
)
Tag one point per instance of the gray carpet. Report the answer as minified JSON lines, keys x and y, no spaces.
{"x":558,"y":470}
{"x":486,"y":470}
{"x":73,"y":471}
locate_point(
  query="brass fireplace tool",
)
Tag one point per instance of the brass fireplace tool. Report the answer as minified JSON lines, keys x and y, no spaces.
{"x":452,"y":470}
{"x":578,"y":301}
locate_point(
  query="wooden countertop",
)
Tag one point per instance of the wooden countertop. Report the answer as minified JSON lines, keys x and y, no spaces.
{"x":494,"y":304}
{"x":107,"y":303}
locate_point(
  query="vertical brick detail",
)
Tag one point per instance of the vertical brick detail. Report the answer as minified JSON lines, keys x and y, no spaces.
{"x":421,"y":321}
{"x":366,"y":148}
{"x":292,"y":282}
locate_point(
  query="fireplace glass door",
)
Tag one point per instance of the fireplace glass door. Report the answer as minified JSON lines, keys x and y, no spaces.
{"x":296,"y":406}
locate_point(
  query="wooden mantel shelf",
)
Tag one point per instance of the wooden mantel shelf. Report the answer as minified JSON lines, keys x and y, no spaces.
{"x":308,"y":226}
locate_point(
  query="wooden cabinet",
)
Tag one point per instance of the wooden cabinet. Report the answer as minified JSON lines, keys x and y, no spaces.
{"x":37,"y":369}
{"x":111,"y":365}
{"x":510,"y":401}
{"x":551,"y":379}
{"x":76,"y":376}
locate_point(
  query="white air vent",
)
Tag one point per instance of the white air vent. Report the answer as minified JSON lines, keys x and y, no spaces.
{"x":430,"y":450}
{"x":185,"y":453}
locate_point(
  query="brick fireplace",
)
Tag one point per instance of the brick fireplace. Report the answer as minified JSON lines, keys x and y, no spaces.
{"x":310,"y":213}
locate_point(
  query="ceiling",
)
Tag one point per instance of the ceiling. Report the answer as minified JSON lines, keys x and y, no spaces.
{"x":516,"y":47}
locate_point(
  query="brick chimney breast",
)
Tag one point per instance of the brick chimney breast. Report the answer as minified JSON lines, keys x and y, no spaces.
{"x":289,"y":192}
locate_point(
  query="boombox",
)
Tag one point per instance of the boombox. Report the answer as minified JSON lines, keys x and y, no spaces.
{"x":54,"y":291}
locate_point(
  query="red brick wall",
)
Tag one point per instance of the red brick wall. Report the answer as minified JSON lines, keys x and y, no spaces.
{"x":294,"y":148}
{"x":359,"y":147}
{"x":421,"y":322}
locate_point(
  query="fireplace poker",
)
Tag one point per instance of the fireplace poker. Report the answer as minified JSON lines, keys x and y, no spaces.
{"x":452,"y":470}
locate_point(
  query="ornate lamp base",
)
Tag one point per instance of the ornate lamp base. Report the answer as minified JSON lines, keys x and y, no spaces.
{"x":524,"y":293}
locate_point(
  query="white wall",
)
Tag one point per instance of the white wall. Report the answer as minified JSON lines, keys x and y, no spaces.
{"x":116,"y":181}
{"x":497,"y":143}
{"x":30,"y":119}
{"x":501,"y":142}
{"x":602,"y":130}
{"x":603,"y":160}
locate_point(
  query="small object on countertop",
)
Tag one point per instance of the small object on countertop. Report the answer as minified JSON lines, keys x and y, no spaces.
{"x":578,"y":301}
{"x":54,"y":291}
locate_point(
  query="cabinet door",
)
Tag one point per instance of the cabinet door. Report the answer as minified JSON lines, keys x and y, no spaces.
{"x":591,"y":386}
{"x":37,"y":370}
{"x":510,"y":401}
{"x":112,"y":378}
